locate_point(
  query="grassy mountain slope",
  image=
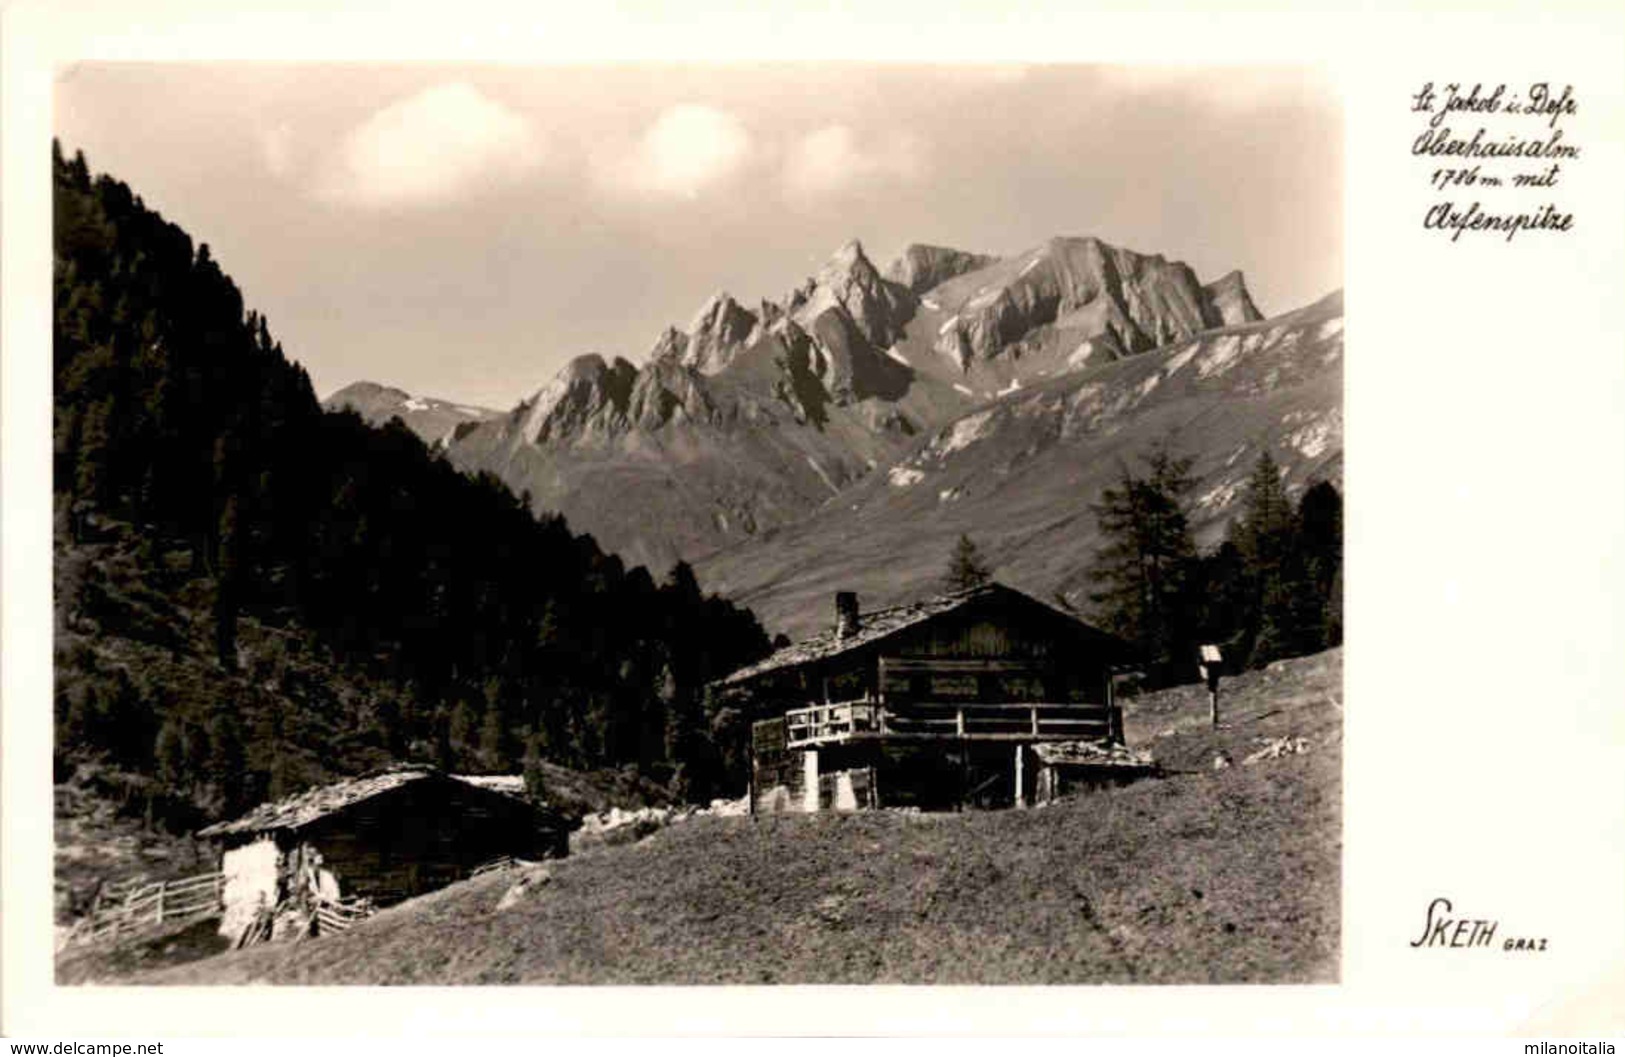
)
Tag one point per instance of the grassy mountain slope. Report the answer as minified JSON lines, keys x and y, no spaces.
{"x":726,"y":462}
{"x":1227,"y":875}
{"x":1020,"y":473}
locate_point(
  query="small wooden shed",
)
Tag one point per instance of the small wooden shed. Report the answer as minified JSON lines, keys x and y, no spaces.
{"x":383,"y":837}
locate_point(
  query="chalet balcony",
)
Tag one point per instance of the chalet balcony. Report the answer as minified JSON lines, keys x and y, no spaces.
{"x":850,"y":721}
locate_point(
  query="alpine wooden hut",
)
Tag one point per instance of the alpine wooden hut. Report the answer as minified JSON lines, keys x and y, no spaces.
{"x":986,"y":697}
{"x":382,"y":837}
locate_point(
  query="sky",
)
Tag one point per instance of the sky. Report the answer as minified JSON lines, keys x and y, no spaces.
{"x":464,"y":231}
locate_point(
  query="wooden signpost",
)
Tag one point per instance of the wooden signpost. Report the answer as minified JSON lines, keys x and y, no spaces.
{"x":1211,"y":662}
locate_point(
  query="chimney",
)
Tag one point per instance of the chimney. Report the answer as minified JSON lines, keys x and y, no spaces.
{"x":846,"y":614}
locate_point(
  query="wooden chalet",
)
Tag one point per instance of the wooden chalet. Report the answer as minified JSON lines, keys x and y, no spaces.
{"x":379,"y":838}
{"x":985,"y":697}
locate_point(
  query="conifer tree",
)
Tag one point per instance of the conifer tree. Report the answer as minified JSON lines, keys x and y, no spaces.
{"x":1290,"y":611}
{"x":967,"y":568}
{"x":227,"y":584}
{"x":1268,"y":524}
{"x":169,"y":753}
{"x":460,"y":733}
{"x":224,"y":767}
{"x":535,"y":776}
{"x":1145,"y":569}
{"x":493,"y":751}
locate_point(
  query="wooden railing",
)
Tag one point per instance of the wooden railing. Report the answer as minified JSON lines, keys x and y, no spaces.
{"x":1013,"y":721}
{"x":805,"y":726}
{"x":134,"y":906}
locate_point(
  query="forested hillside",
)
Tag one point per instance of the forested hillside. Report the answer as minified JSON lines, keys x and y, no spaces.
{"x":253,"y":595}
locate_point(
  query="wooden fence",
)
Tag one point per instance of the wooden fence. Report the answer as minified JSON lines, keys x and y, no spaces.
{"x":319,"y":917}
{"x":501,"y":862}
{"x":134,"y":906}
{"x":339,"y":915}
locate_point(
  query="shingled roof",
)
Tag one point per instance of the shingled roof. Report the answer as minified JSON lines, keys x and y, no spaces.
{"x":883,"y":623}
{"x":301,"y":809}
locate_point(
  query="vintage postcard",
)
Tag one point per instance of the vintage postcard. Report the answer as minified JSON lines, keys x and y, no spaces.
{"x":598,"y":503}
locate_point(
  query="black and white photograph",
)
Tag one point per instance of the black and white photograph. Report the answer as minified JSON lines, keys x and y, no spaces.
{"x":684,"y":524}
{"x":803,"y":521}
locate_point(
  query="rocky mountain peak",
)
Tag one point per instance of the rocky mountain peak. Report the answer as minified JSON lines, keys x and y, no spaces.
{"x":850,"y":283}
{"x":1108,"y":301}
{"x":922,"y":266}
{"x":770,"y":319}
{"x":719,"y":331}
{"x":577,"y":397}
{"x":1231,"y":303}
{"x":717,"y":308}
{"x":671,"y":345}
{"x":848,"y":257}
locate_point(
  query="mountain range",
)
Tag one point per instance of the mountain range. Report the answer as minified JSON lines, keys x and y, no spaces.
{"x":1019,"y":474}
{"x":751,"y":418}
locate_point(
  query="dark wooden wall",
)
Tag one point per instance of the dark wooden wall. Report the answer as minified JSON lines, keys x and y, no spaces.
{"x":1067,"y":662}
{"x":427,"y":834}
{"x":772,"y":763}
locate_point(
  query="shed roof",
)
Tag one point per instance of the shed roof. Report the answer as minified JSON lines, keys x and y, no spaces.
{"x":883,"y":623}
{"x":301,"y":809}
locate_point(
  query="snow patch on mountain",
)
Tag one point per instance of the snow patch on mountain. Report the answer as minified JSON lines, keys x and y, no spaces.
{"x":1081,"y":355}
{"x":1220,"y":495}
{"x":1219,"y":357}
{"x":1181,"y":358}
{"x":904,"y":476}
{"x":1314,"y":439}
{"x":962,"y":434}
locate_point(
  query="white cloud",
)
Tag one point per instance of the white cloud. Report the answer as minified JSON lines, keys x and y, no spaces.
{"x":443,"y":142}
{"x":832,"y":159}
{"x":687,"y":149}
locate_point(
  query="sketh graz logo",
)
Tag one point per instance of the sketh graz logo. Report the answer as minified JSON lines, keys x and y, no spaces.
{"x":1443,"y":930}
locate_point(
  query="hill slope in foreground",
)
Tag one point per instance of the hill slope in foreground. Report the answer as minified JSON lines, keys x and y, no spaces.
{"x":1206,"y":876}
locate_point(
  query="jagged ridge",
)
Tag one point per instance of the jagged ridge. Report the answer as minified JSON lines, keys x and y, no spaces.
{"x":751,"y":417}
